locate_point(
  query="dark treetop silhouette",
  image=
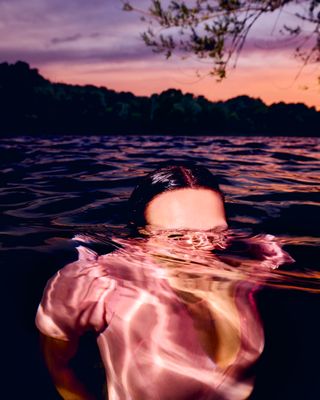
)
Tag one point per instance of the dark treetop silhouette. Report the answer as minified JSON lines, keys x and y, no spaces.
{"x":31,"y":104}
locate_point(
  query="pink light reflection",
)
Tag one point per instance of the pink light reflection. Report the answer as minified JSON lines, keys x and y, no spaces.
{"x":174,"y":321}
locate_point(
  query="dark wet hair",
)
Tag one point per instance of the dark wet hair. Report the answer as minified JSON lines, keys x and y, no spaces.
{"x":174,"y":175}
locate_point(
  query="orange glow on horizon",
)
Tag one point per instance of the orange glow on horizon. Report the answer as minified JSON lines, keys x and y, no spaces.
{"x":271,"y":85}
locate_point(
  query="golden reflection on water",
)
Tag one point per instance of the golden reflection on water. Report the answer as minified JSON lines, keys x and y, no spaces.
{"x":177,"y":306}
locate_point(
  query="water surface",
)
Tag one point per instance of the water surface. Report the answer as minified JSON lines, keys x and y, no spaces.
{"x":58,"y":186}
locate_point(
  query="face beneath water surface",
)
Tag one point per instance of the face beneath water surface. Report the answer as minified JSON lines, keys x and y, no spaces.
{"x":186,"y":208}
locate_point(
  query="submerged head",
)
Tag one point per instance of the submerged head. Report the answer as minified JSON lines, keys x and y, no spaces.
{"x":175,"y":197}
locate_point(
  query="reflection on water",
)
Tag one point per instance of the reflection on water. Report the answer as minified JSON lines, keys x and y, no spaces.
{"x":259,"y":259}
{"x":56,"y":186}
{"x":177,"y":306}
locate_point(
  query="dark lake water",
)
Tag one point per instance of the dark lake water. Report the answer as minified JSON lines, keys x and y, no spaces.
{"x":55,"y":187}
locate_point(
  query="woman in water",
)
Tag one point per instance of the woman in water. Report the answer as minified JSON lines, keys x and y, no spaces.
{"x":168,"y":321}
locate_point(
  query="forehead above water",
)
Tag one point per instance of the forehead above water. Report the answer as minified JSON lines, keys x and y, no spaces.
{"x":186,"y":208}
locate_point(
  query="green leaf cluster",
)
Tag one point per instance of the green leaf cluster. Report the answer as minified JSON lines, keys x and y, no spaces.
{"x":217,"y":29}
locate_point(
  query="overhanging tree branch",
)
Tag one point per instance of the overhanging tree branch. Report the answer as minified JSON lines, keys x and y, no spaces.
{"x":218,"y":29}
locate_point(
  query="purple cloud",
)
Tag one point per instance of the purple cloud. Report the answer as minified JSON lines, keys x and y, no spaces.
{"x":65,"y":39}
{"x":42,"y":56}
{"x":49,"y":31}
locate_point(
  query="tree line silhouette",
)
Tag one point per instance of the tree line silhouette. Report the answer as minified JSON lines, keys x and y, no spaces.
{"x":31,"y":104}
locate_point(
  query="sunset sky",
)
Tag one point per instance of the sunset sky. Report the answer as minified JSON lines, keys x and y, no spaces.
{"x":95,"y":42}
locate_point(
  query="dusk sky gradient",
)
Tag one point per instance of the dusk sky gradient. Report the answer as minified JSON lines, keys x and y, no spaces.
{"x":95,"y":42}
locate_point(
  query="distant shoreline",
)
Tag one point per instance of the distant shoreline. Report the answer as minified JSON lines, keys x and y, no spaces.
{"x":157,"y":135}
{"x":32,"y":105}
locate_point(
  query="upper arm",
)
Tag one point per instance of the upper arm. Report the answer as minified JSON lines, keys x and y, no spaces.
{"x":74,"y":299}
